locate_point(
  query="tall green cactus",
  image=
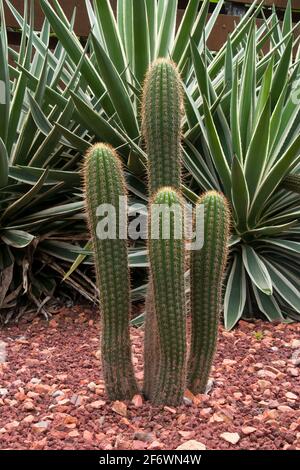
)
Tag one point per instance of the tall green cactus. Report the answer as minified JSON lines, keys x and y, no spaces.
{"x":103,"y":184}
{"x":161,"y":123}
{"x":291,"y":183}
{"x":207,"y":270}
{"x":166,"y":254}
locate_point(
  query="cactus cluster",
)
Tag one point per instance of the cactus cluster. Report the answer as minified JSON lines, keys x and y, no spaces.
{"x":167,"y":372}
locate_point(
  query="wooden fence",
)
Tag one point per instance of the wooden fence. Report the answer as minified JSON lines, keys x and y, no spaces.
{"x":224,"y":25}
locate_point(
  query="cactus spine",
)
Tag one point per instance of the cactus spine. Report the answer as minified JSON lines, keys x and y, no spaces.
{"x":161,"y":123}
{"x":291,"y":183}
{"x":207,"y":269}
{"x":166,"y":253}
{"x":104,"y":183}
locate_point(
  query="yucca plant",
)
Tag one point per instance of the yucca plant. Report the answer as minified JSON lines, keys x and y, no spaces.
{"x":40,"y":208}
{"x":247,"y":142}
{"x":218,"y":125}
{"x":240,"y":131}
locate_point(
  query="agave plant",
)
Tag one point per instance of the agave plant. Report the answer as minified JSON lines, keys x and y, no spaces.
{"x":40,"y":208}
{"x":241,"y":130}
{"x":247,"y":141}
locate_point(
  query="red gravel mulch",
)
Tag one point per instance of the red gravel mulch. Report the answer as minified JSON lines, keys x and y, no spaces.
{"x":52,"y":394}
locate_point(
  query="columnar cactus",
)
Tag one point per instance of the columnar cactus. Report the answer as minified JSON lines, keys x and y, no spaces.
{"x":161,"y":123}
{"x":103,"y":184}
{"x":291,"y":183}
{"x":207,"y":270}
{"x":162,"y":111}
{"x":166,"y":254}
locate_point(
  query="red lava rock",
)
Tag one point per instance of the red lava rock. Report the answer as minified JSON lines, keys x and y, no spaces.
{"x":248,"y":430}
{"x":88,"y":436}
{"x":28,"y":405}
{"x":155,"y":445}
{"x":143,"y":436}
{"x":97,"y":404}
{"x":191,"y":445}
{"x":120,"y":408}
{"x":138,"y":445}
{"x":12,"y":425}
{"x":170,"y":409}
{"x":29,"y":419}
{"x":137,"y":401}
{"x":56,"y":373}
{"x":40,"y":427}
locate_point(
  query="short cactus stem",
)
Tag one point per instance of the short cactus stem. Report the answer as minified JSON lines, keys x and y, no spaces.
{"x":166,"y":253}
{"x":291,"y":183}
{"x":161,"y":123}
{"x":207,"y":270}
{"x":103,"y":184}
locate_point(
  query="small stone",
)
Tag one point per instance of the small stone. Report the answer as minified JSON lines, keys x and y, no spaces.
{"x":137,"y":401}
{"x":97,"y":354}
{"x":65,"y":401}
{"x":57,"y":393}
{"x":12,"y":425}
{"x":231,"y":437}
{"x":295,"y":343}
{"x":192,"y":445}
{"x":293,"y":371}
{"x":284,"y":408}
{"x":35,"y":381}
{"x":139,"y":375}
{"x":88,"y":436}
{"x":155,"y":445}
{"x":186,"y":434}
{"x":40,"y":427}
{"x":32,"y":395}
{"x":229,"y":362}
{"x":120,"y":408}
{"x":76,"y":400}
{"x":263,"y":384}
{"x":42,"y":389}
{"x":143,"y":436}
{"x":29,"y":419}
{"x":138,"y":445}
{"x":170,"y":409}
{"x":62,"y":377}
{"x":92,"y":386}
{"x":266,"y":374}
{"x":28,"y":405}
{"x":97,"y":404}
{"x":205,"y":412}
{"x":53,"y":323}
{"x":291,"y":396}
{"x":3,"y":392}
{"x":248,"y":430}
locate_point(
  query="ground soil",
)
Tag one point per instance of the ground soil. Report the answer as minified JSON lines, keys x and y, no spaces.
{"x":52,"y":394}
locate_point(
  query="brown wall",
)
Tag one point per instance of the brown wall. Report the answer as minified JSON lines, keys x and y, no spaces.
{"x":224,"y":25}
